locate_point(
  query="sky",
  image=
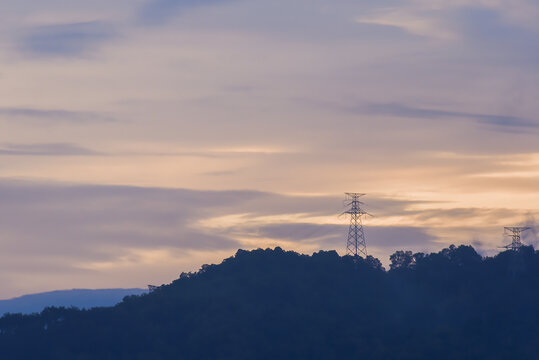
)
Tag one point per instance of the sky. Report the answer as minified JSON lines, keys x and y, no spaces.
{"x":143,"y":138}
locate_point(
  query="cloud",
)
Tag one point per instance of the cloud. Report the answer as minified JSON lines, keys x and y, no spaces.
{"x":56,"y":115}
{"x":52,"y":228}
{"x":61,"y":236}
{"x":85,"y":222}
{"x":490,"y":32}
{"x":89,"y":232}
{"x":222,"y":173}
{"x":65,"y":40}
{"x":156,"y":12}
{"x":409,"y":21}
{"x":334,"y":235}
{"x":399,"y":110}
{"x":493,"y":31}
{"x":55,"y":149}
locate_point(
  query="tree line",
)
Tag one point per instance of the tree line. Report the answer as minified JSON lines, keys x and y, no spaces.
{"x":275,"y":304}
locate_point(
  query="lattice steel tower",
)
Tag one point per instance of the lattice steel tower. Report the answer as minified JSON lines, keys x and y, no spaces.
{"x":355,"y":245}
{"x":514,"y":233}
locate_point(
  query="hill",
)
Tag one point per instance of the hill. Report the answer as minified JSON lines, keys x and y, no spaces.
{"x":80,"y":298}
{"x":272,"y":304}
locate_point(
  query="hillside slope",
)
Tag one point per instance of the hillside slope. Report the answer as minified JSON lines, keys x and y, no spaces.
{"x":80,"y":298}
{"x":271,"y":304}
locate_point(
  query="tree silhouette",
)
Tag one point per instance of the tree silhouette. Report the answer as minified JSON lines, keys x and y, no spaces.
{"x":268,"y":304}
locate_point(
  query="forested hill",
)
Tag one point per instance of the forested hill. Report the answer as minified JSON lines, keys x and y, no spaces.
{"x":82,"y":298}
{"x":272,"y":304}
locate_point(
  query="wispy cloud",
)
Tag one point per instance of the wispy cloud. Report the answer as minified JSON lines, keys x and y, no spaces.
{"x":156,"y":12}
{"x":55,"y":149}
{"x":52,"y":115}
{"x":58,"y":228}
{"x":333,"y":235}
{"x":410,"y":21}
{"x":400,"y":110}
{"x":65,"y":40}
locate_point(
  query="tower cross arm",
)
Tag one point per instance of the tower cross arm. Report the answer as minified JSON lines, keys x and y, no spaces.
{"x":517,"y":229}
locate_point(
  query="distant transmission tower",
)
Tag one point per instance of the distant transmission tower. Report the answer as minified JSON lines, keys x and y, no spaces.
{"x":355,"y":245}
{"x":514,"y":233}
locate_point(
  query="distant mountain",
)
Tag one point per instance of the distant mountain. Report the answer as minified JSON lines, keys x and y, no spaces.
{"x":272,"y":304}
{"x":80,"y":298}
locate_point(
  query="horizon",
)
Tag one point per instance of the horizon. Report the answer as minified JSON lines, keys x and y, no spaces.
{"x":142,"y":139}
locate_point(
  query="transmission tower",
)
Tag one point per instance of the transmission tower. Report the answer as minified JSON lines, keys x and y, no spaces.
{"x":514,"y":233}
{"x":355,"y":245}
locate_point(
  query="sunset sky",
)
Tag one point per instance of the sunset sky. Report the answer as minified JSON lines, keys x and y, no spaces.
{"x":143,"y":138}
